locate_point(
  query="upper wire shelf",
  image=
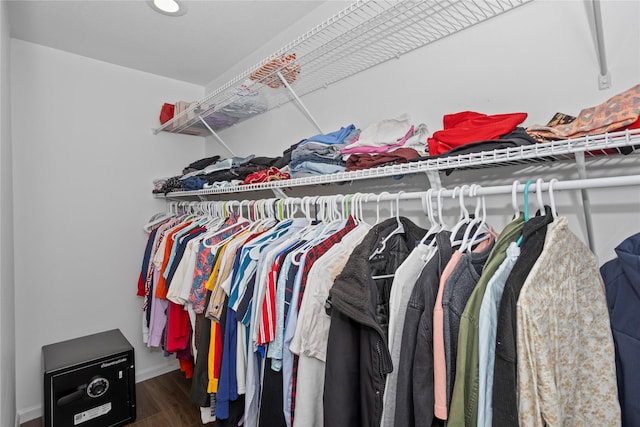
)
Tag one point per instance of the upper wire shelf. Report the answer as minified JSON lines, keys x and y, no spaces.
{"x":365,"y":34}
{"x":591,"y":146}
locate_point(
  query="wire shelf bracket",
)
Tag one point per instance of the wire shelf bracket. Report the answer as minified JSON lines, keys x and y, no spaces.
{"x":216,"y":136}
{"x":299,"y":102}
{"x":604,"y":77}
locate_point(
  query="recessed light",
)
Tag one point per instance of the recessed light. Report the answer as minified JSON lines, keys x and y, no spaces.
{"x":168,"y":7}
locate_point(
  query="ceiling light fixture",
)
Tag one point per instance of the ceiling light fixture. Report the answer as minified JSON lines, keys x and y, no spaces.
{"x":168,"y":7}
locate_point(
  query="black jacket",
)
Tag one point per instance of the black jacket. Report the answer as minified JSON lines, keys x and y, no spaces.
{"x":358,"y":358}
{"x":505,"y":404}
{"x":415,"y":390}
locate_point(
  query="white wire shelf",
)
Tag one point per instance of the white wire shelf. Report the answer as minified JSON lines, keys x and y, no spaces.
{"x":592,"y":146}
{"x":367,"y":33}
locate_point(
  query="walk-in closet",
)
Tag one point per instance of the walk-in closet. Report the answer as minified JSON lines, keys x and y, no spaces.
{"x":325,"y":213}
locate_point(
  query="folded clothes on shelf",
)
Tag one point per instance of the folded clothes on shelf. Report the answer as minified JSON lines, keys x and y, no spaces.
{"x":248,"y":103}
{"x":218,"y":120}
{"x":310,"y":168}
{"x":381,"y":136}
{"x":372,"y":160}
{"x":619,"y":112}
{"x":335,"y":137}
{"x":469,"y":126}
{"x":287,"y":65}
{"x":200,"y":164}
{"x":266,"y":175}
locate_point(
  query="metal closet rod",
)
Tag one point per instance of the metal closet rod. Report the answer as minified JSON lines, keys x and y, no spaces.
{"x":558,"y":185}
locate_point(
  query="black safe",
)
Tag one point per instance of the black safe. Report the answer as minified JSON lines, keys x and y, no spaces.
{"x":89,"y":381}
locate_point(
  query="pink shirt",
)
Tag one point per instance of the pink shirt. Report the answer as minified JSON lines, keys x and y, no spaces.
{"x":439,"y":361}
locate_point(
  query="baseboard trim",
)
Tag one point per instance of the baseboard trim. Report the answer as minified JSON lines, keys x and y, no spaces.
{"x":28,"y":414}
{"x":33,"y":412}
{"x":155,"y":371}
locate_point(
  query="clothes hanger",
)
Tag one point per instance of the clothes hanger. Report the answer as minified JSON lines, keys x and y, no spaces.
{"x":465,"y":219}
{"x":526,"y":208}
{"x":473,"y":221}
{"x":482,"y":230}
{"x":443,"y":225}
{"x":427,"y":207}
{"x":552,"y":199}
{"x":378,"y":205}
{"x":539,"y":197}
{"x":158,"y":219}
{"x":514,"y":199}
{"x":398,"y":230}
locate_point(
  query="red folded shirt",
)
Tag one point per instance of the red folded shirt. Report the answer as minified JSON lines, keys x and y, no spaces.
{"x":266,"y":175}
{"x":469,"y":126}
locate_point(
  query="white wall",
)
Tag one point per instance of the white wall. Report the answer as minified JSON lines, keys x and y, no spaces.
{"x":84,"y":161}
{"x":7,"y":288}
{"x":539,"y":58}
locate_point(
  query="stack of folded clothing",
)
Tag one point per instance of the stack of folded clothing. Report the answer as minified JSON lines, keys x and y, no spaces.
{"x":470,"y":132}
{"x":389,"y":141}
{"x":620,"y":112}
{"x":167,"y":185}
{"x":266,"y":175}
{"x":212,"y":172}
{"x":239,"y":170}
{"x":321,"y":154}
{"x":471,"y":127}
{"x":247,"y":102}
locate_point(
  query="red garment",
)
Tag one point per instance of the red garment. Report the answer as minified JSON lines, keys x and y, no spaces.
{"x":371,"y":160}
{"x":266,"y":175}
{"x":166,"y":112}
{"x":469,"y":126}
{"x":186,"y":366}
{"x":178,"y":328}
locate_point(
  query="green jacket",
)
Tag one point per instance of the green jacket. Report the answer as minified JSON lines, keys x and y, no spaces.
{"x":464,"y":402}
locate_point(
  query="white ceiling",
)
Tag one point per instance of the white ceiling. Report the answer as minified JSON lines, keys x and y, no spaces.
{"x":197,"y":47}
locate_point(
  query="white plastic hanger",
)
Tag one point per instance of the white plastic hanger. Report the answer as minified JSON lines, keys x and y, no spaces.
{"x":464,"y":214}
{"x":427,"y":206}
{"x":552,"y":199}
{"x":514,"y":199}
{"x":482,"y":232}
{"x":158,"y":219}
{"x":539,"y":196}
{"x":398,"y":230}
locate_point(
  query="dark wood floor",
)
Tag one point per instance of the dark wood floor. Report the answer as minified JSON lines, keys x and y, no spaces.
{"x":162,"y":401}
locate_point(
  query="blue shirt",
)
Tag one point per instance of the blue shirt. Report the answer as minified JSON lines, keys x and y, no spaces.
{"x":487,"y":329}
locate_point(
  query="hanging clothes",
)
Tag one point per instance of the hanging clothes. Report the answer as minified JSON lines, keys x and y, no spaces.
{"x":312,"y":330}
{"x":622,"y":279}
{"x":404,"y":281}
{"x":458,"y":288}
{"x":464,"y":404}
{"x":301,"y":323}
{"x":414,"y":392}
{"x":566,"y":368}
{"x":354,"y":386}
{"x":504,"y":392}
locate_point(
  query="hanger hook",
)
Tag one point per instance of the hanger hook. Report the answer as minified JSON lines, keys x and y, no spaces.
{"x":539,"y":196}
{"x":552,"y":199}
{"x":526,"y":200}
{"x":514,"y":198}
{"x":378,"y":205}
{"x":398,"y":206}
{"x":464,"y":213}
